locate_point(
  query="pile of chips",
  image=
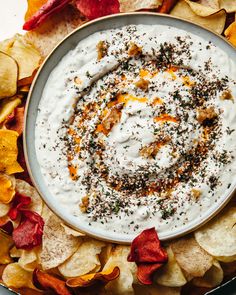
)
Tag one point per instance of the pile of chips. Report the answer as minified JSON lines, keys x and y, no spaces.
{"x":38,"y":252}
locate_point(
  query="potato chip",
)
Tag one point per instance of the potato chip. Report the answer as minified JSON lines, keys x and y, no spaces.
{"x":26,"y":56}
{"x":126,"y":5}
{"x":123,"y":284}
{"x":191,"y":257}
{"x":15,"y":253}
{"x":6,"y":243}
{"x":84,"y":260}
{"x":105,"y":254}
{"x":155,"y":290}
{"x":170,"y":274}
{"x":202,"y":10}
{"x":26,"y":189}
{"x":212,"y":278}
{"x":7,"y":188}
{"x":4,"y":208}
{"x":214,"y":22}
{"x":15,"y":276}
{"x":226,"y":258}
{"x":8,"y":75}
{"x":29,"y":259}
{"x":89,"y":279}
{"x":230,"y":33}
{"x":71,"y":231}
{"x":8,"y":152}
{"x":7,"y":106}
{"x":57,"y":246}
{"x":210,"y":3}
{"x":228,"y":5}
{"x":218,"y":237}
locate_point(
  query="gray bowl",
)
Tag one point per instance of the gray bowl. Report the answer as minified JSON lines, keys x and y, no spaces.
{"x":37,"y":87}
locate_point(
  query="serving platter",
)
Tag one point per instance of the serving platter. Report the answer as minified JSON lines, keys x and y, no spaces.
{"x":70,"y":42}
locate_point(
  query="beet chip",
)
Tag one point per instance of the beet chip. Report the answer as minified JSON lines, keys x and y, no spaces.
{"x":19,"y":202}
{"x":30,"y":231}
{"x":46,"y":281}
{"x":96,"y":8}
{"x":148,"y":254}
{"x":49,"y":8}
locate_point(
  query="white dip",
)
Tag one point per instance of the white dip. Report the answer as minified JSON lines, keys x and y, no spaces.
{"x":136,"y":128}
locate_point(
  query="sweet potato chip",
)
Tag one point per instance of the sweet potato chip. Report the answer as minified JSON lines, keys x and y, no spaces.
{"x":170,"y":274}
{"x":215,"y":22}
{"x":148,"y":254}
{"x":20,"y":202}
{"x":89,"y":279}
{"x":96,"y":8}
{"x":194,"y":260}
{"x":24,"y":188}
{"x":57,"y":246}
{"x":46,"y":281}
{"x":126,"y":5}
{"x":49,"y":8}
{"x":7,"y":106}
{"x":6,"y":243}
{"x":8,"y":75}
{"x":33,"y":6}
{"x":7,"y":188}
{"x":17,"y":122}
{"x":8,"y":152}
{"x":124,"y":283}
{"x":228,"y":5}
{"x":166,"y":6}
{"x":230,"y":33}
{"x":155,"y":290}
{"x":212,"y":278}
{"x":84,"y":260}
{"x":29,"y":232}
{"x":15,"y":276}
{"x":218,"y":237}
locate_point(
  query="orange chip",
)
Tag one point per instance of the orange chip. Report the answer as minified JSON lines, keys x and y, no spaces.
{"x":230,"y":33}
{"x":7,"y":190}
{"x":8,"y":152}
{"x":89,"y":279}
{"x":6,"y":243}
{"x":33,"y":6}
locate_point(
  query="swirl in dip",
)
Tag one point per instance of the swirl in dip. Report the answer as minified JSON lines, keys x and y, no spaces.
{"x":136,"y":128}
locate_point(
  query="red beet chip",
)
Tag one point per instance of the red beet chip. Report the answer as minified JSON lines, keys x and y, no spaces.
{"x":148,"y":254}
{"x":7,"y":227}
{"x":46,"y":281}
{"x":30,"y":231}
{"x":96,"y":8}
{"x":49,"y":8}
{"x":19,"y":202}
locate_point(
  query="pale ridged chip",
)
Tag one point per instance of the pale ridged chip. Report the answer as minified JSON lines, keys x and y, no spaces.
{"x":124,"y":283}
{"x":215,"y":21}
{"x":84,"y":260}
{"x":218,"y":237}
{"x":170,"y":274}
{"x":212,"y":278}
{"x":57,"y":246}
{"x":15,"y":276}
{"x":193,"y":259}
{"x":127,"y":5}
{"x":26,"y":189}
{"x":71,"y":231}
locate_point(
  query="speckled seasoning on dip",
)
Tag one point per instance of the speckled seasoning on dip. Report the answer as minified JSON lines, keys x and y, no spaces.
{"x":136,"y":128}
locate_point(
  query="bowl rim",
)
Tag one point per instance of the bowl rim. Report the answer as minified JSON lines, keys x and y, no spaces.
{"x":201,"y":222}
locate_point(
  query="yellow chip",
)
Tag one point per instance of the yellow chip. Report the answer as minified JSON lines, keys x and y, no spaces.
{"x":24,"y":188}
{"x":194,"y":260}
{"x":127,"y":5}
{"x":84,"y":260}
{"x":7,"y":188}
{"x":6,"y":243}
{"x":218,"y":237}
{"x":215,"y":22}
{"x":15,"y":276}
{"x":7,"y":106}
{"x":8,"y":75}
{"x":124,"y":283}
{"x":8,"y":152}
{"x":170,"y":274}
{"x":212,"y":278}
{"x":230,"y":33}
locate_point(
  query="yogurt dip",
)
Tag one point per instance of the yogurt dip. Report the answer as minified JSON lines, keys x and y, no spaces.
{"x":136,"y":128}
